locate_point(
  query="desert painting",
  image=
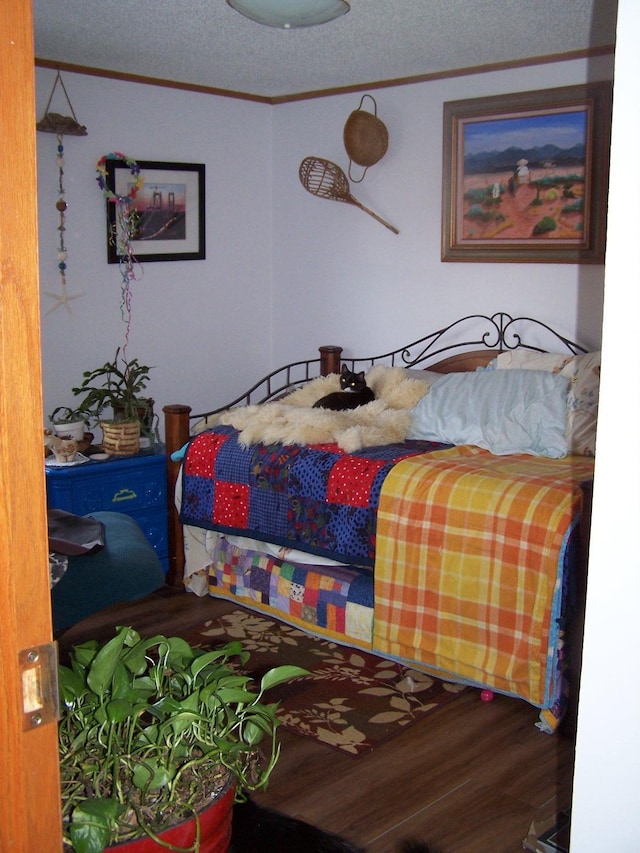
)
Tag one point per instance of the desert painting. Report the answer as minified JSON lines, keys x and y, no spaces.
{"x":524,"y":178}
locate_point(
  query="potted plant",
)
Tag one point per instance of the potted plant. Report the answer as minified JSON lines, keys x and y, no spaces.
{"x":118,"y":384}
{"x":68,"y":423}
{"x":153,"y":730}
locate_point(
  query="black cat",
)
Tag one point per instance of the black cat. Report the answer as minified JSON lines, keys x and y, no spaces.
{"x":355,"y":392}
{"x":260,"y":830}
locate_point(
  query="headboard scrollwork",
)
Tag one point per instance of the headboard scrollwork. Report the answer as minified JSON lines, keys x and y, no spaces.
{"x":499,"y":331}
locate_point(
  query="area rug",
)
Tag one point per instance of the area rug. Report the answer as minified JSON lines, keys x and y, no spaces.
{"x":351,"y":701}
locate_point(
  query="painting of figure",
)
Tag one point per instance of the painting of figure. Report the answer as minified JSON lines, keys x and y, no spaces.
{"x":525,"y":176}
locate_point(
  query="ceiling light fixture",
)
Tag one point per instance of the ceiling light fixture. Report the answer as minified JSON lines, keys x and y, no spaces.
{"x":290,"y":14}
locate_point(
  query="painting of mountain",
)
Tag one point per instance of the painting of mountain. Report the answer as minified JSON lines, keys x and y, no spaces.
{"x":524,"y":176}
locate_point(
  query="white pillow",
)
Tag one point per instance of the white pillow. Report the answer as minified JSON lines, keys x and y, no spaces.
{"x":505,"y":412}
{"x":428,"y":376}
{"x":583,"y":372}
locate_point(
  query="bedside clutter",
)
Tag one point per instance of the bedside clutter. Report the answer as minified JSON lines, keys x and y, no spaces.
{"x":135,"y":485}
{"x":125,"y":569}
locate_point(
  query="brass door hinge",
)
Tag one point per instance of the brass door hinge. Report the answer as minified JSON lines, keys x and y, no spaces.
{"x":39,"y":671}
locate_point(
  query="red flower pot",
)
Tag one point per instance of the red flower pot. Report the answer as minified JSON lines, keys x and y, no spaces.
{"x":215,"y":829}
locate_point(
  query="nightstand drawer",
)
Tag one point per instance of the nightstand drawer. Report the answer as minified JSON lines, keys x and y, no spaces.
{"x":133,"y":485}
{"x":130,"y":491}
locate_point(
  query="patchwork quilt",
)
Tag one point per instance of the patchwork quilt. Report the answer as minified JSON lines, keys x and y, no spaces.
{"x":335,"y":602}
{"x":315,"y":498}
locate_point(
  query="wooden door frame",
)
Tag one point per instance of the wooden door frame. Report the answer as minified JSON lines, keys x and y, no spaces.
{"x":30,"y":805}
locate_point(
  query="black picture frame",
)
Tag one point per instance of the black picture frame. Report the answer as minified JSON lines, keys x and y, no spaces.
{"x":170,"y":207}
{"x":557,"y":212}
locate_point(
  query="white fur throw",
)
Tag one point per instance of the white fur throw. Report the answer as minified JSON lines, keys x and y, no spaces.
{"x":293,"y":420}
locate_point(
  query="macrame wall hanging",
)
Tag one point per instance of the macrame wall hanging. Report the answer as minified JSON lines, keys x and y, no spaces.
{"x":61,"y":126}
{"x":124,"y":228}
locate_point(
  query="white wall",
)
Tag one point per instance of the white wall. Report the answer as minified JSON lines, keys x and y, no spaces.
{"x":187,"y":315}
{"x":347,"y":279}
{"x":285,"y":272}
{"x":607,"y":772}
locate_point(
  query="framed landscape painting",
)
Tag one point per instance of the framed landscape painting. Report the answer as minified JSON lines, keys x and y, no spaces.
{"x":525,"y":176}
{"x":168,"y":210}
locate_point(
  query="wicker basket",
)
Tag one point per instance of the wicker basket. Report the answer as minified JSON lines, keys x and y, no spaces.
{"x":121,"y":438}
{"x":365,"y":138}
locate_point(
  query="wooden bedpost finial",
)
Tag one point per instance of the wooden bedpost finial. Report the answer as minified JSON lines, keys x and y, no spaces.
{"x":330,"y":359}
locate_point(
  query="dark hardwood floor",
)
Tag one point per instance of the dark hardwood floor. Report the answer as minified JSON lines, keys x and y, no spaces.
{"x":469,"y":779}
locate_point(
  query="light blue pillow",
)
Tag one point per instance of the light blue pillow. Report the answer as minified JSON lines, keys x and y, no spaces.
{"x":503,"y":411}
{"x":178,"y":455}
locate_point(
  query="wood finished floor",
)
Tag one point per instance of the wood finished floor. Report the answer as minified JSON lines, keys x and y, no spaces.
{"x":468,"y":779}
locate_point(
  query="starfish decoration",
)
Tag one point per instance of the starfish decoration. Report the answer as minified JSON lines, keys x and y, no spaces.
{"x":62,"y":299}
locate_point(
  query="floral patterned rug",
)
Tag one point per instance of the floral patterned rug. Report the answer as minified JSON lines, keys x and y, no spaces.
{"x":351,"y":701}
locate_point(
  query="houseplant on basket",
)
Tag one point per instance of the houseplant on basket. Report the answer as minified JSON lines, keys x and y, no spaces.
{"x":118,"y":384}
{"x":151,"y":733}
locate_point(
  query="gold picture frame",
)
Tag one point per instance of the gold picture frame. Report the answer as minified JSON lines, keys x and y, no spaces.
{"x":525,"y":176}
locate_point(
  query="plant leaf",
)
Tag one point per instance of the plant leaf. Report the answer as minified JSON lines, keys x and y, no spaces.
{"x":105,"y":662}
{"x":203,"y":661}
{"x":252,"y":733}
{"x":70,"y":683}
{"x":235,"y":695}
{"x":280,"y":674}
{"x":92,"y":821}
{"x":151,"y":775}
{"x":119,"y":710}
{"x":136,"y":658}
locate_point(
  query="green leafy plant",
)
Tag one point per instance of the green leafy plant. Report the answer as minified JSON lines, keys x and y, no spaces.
{"x":67,"y":415}
{"x":117,"y":384}
{"x":150,"y":727}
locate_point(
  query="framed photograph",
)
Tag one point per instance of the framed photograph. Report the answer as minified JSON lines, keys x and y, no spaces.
{"x":167,"y":210}
{"x":525,"y":176}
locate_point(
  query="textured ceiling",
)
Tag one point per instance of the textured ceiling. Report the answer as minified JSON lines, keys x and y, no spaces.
{"x":206,"y":43}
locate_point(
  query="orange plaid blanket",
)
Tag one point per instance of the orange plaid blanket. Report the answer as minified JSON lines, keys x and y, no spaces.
{"x":469,"y":565}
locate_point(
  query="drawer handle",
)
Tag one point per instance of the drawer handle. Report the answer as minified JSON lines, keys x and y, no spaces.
{"x":124,"y":495}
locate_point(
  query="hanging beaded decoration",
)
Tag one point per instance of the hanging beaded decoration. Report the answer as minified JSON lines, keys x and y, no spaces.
{"x":59,"y":124}
{"x":64,"y":297}
{"x":124,"y":229}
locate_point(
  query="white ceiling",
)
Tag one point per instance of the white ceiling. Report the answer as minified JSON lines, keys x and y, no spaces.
{"x":206,"y":43}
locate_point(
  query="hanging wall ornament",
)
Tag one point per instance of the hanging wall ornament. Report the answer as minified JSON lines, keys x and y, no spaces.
{"x":123,"y":232}
{"x":325,"y":179}
{"x":60,"y":125}
{"x":365,"y":138}
{"x":56,"y":123}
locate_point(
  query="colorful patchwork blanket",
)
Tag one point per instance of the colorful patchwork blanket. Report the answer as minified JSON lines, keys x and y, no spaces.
{"x":315,"y":498}
{"x":335,"y":602}
{"x":469,"y":565}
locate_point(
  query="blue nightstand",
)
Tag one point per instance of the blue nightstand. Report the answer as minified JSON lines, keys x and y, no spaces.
{"x":134,"y":485}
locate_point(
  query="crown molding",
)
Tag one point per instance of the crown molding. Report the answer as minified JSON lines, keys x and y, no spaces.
{"x":324,"y":93}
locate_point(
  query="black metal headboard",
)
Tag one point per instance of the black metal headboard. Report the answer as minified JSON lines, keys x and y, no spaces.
{"x":499,"y":331}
